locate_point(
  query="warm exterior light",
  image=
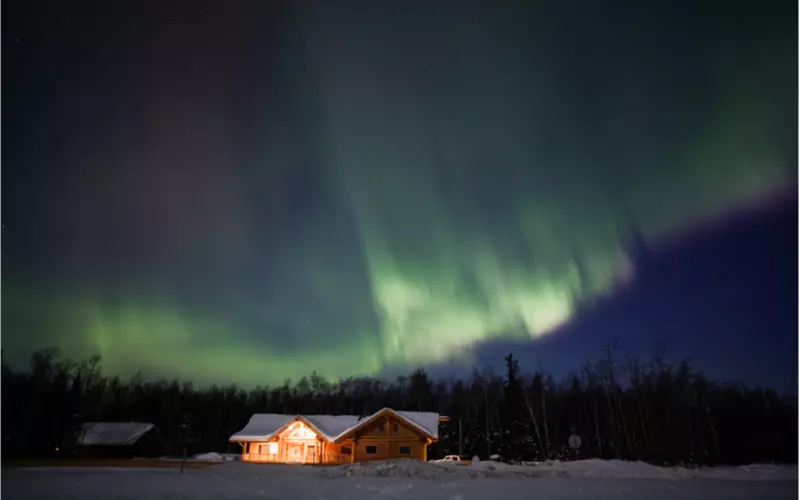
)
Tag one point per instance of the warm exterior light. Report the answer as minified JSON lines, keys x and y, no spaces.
{"x":331,"y":439}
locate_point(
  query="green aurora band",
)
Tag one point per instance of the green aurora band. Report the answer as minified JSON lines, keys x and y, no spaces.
{"x":450,"y":265}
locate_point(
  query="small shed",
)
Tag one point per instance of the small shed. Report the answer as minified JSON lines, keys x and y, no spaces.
{"x":119,"y":440}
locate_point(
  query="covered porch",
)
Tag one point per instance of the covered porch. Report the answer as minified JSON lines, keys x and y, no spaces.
{"x":297,"y":444}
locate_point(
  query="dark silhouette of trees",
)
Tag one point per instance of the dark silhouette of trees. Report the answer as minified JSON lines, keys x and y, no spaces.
{"x":622,"y":408}
{"x":516,"y":438}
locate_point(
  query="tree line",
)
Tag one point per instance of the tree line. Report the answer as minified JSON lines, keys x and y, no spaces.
{"x":656,"y":412}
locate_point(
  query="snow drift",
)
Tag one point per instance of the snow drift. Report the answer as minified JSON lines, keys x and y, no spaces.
{"x":593,"y":468}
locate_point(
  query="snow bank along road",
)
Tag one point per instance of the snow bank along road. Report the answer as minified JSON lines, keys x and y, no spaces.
{"x":404,"y":480}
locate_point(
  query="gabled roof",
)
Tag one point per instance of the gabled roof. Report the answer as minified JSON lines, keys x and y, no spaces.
{"x":262,"y":426}
{"x":330,"y":426}
{"x":425,"y":422}
{"x":112,"y":433}
{"x":265,"y":426}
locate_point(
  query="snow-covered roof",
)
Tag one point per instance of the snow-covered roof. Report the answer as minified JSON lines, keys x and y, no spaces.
{"x":426,"y":422}
{"x":331,"y":426}
{"x":262,"y":426}
{"x":112,"y":433}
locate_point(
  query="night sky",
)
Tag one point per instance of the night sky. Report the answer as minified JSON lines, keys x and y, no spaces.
{"x":249,"y":191}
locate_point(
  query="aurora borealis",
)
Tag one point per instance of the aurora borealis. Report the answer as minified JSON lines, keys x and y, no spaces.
{"x":245,"y":195}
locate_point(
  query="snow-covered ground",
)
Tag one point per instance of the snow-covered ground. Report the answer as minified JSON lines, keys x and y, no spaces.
{"x":592,"y":468}
{"x":216,"y":457}
{"x":639,"y":470}
{"x":591,"y":479}
{"x":201,"y":457}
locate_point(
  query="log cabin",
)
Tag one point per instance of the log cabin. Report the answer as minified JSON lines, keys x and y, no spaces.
{"x":338,"y":439}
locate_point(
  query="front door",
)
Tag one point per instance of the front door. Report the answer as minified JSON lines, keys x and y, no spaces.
{"x":311,"y":456}
{"x":295,"y":453}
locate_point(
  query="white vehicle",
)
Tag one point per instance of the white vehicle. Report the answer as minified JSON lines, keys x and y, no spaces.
{"x":454,"y":459}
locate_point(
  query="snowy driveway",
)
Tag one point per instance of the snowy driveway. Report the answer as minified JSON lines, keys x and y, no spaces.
{"x":242,"y":481}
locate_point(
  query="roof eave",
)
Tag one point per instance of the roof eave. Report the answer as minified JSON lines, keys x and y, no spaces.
{"x":379,"y":414}
{"x":243,"y":439}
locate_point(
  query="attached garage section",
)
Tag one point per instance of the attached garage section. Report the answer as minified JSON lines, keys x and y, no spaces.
{"x":388,"y":437}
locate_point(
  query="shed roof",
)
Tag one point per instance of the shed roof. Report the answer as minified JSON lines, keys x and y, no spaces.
{"x":112,"y":433}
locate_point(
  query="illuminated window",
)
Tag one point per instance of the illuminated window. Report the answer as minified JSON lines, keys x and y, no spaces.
{"x":273,"y":448}
{"x":372,"y":450}
{"x":405,"y":450}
